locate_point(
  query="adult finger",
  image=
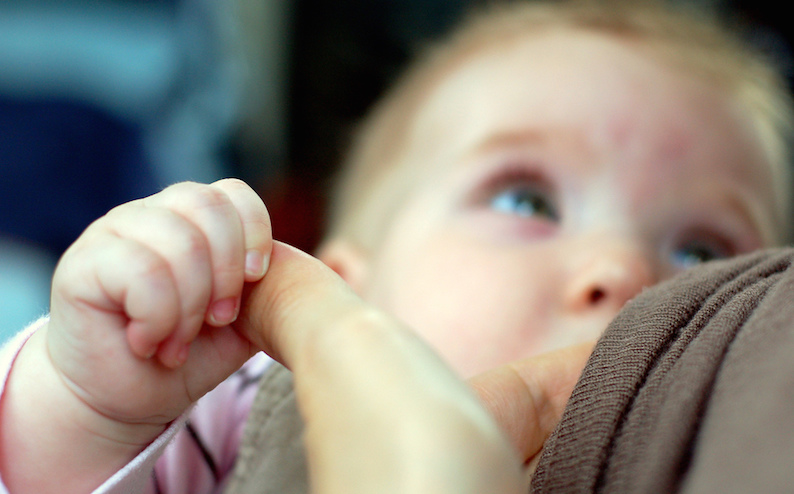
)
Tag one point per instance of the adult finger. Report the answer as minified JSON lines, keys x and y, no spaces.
{"x":380,"y":406}
{"x":298,"y":297}
{"x":256,"y":226}
{"x":527,"y":397}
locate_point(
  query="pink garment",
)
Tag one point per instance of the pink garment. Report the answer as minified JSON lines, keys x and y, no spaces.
{"x":196,"y":454}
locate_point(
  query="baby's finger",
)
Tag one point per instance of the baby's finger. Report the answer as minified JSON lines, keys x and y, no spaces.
{"x":150,"y":302}
{"x":213,"y":213}
{"x":185,"y":249}
{"x":128,"y":283}
{"x":256,"y":226}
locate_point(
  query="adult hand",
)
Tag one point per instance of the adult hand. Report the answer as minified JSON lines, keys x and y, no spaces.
{"x":383,"y":413}
{"x":527,"y":397}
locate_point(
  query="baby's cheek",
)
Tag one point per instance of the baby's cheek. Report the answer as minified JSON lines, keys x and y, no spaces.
{"x":480,"y":313}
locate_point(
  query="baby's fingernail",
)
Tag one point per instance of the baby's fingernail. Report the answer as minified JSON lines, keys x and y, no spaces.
{"x":150,"y":351}
{"x":256,"y":263}
{"x":174,"y":357}
{"x":181,"y":356}
{"x":224,"y":311}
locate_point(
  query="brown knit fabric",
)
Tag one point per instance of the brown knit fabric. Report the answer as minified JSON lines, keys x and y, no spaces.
{"x":271,"y":458}
{"x":691,"y":389}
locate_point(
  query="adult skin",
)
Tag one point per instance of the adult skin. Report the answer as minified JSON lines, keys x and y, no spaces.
{"x":383,"y":413}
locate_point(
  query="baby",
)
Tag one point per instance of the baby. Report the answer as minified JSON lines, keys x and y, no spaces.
{"x":506,"y":198}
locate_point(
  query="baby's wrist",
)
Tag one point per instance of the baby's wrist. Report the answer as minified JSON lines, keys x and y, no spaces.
{"x":37,"y":402}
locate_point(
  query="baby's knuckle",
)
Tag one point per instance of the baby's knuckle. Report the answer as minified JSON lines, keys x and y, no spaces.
{"x":150,"y":266}
{"x":233,"y":183}
{"x":193,"y":244}
{"x":230,"y":276}
{"x":208,"y":197}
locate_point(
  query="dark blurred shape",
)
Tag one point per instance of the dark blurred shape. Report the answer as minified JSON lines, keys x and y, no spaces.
{"x":102,"y":102}
{"x":64,"y":164}
{"x":346,"y":53}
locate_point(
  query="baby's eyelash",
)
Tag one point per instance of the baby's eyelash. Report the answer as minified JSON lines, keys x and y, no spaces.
{"x":705,"y":241}
{"x":510,"y":175}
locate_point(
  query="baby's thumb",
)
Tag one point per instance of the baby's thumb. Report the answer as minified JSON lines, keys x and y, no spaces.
{"x":527,"y":397}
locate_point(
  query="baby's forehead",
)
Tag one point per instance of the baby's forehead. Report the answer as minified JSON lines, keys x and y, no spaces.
{"x":551,"y":84}
{"x":404,"y":172}
{"x":559,"y":53}
{"x":687,"y":124}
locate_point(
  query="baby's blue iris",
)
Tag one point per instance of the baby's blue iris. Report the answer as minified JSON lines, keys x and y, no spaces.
{"x":695,"y":253}
{"x":525,"y":201}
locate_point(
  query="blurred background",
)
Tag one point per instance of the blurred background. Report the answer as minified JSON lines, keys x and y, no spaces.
{"x":105,"y":101}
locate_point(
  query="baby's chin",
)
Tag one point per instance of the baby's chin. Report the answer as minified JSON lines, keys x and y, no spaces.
{"x":477,"y":363}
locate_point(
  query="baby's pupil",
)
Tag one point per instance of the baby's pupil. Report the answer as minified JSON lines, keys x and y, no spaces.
{"x":696,"y":254}
{"x":524,"y":202}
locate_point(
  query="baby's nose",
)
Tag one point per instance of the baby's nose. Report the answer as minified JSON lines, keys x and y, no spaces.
{"x":607,"y":277}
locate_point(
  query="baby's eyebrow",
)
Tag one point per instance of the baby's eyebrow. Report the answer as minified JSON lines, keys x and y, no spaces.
{"x":742,"y":204}
{"x":572,"y":139}
{"x":512,"y":139}
{"x":752,"y":213}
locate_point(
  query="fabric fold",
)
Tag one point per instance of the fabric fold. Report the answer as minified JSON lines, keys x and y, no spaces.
{"x":659,"y":398}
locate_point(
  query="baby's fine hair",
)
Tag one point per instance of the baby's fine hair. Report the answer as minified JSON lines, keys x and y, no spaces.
{"x":371,"y":182}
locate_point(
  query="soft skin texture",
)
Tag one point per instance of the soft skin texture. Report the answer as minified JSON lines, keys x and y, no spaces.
{"x":554,"y":178}
{"x":383,"y":413}
{"x":139,"y":330}
{"x":107,"y":373}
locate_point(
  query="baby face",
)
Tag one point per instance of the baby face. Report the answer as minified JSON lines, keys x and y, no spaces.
{"x":555,"y":178}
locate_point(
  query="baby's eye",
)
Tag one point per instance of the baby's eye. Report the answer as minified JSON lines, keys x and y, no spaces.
{"x":525,"y":200}
{"x":696,"y":252}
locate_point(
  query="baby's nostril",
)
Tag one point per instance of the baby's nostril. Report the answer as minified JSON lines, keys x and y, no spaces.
{"x":596,"y":295}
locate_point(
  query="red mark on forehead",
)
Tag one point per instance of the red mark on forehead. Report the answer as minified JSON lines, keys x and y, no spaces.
{"x":648,"y":156}
{"x":652,"y":139}
{"x":674,"y":144}
{"x":619,"y":130}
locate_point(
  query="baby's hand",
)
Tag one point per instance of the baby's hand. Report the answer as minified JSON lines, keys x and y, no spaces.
{"x":139,"y":329}
{"x":142,"y":301}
